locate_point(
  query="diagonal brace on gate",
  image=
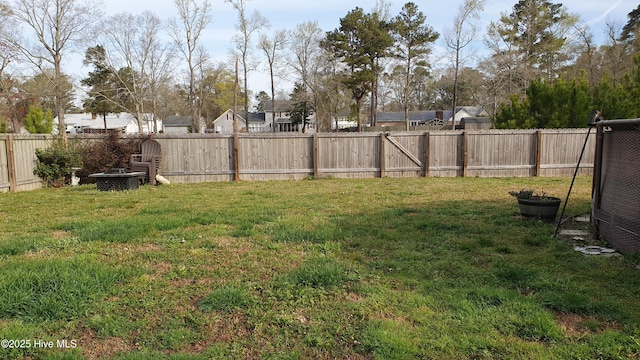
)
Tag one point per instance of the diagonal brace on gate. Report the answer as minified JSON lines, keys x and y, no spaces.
{"x":403,"y":150}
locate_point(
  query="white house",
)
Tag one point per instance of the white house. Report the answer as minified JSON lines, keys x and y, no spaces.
{"x":257,"y":123}
{"x":224,"y":123}
{"x":92,"y":123}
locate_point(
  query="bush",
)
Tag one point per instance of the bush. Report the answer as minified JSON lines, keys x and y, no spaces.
{"x":110,"y":152}
{"x":55,"y":163}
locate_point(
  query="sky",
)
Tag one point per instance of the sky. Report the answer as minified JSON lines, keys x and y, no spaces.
{"x":286,"y":14}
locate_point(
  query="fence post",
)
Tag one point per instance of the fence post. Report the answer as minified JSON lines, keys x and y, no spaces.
{"x":236,"y":157}
{"x":316,"y":169}
{"x":383,"y":138}
{"x":11,"y":165}
{"x":538,"y":151}
{"x":465,"y":159}
{"x":426,"y":153}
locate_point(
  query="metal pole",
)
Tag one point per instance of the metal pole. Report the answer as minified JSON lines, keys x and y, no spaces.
{"x":593,"y":119}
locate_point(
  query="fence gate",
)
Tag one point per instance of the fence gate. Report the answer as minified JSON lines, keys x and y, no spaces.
{"x":409,"y":157}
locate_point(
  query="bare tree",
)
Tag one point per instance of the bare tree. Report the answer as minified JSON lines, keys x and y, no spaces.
{"x":138,"y":58}
{"x":58,"y":26}
{"x":617,"y":61}
{"x":271,"y":48}
{"x":161,"y":65}
{"x":588,"y":49}
{"x":186,"y":30}
{"x":458,"y":38}
{"x":307,"y":58}
{"x":7,"y":55}
{"x":247,"y":25}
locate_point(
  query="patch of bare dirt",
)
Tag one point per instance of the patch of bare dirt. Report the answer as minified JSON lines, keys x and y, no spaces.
{"x":94,"y":348}
{"x":60,"y":234}
{"x":576,"y":326}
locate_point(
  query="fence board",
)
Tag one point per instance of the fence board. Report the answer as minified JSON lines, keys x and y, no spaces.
{"x":445,"y":153}
{"x":4,"y":165}
{"x":501,"y":153}
{"x":276,"y":157}
{"x":197,"y":158}
{"x":24,"y":157}
{"x":561,"y":151}
{"x":349,"y":155}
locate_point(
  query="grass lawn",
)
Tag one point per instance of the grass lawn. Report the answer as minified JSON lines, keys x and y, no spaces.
{"x":440,"y":268}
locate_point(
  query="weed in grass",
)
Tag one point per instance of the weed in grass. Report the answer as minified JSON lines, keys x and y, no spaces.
{"x":614,"y":345}
{"x":391,"y":340}
{"x":526,"y":320}
{"x":174,"y":338}
{"x":513,"y":275}
{"x":19,"y":245}
{"x":227,"y":298}
{"x":320,"y":272}
{"x":157,"y":355}
{"x":18,"y":330}
{"x":66,"y":354}
{"x":569,"y":302}
{"x":109,"y":325}
{"x":53,"y":289}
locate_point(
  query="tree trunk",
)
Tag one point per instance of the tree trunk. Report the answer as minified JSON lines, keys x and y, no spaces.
{"x":59,"y":98}
{"x":273,"y":99}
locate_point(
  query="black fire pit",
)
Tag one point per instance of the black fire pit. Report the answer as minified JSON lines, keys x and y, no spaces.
{"x":118,"y":179}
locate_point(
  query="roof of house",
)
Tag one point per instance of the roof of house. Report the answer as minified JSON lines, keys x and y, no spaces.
{"x":429,"y":115}
{"x":256,"y":117}
{"x":280,"y":106}
{"x":177,"y":121}
{"x":114,"y":121}
{"x":423,"y":116}
{"x":228,"y":115}
{"x":476,"y":111}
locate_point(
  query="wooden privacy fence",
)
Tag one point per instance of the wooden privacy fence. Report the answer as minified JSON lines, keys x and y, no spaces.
{"x":192,"y":158}
{"x":18,"y":159}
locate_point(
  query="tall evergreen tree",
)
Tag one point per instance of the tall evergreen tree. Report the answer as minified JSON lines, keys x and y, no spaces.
{"x":360,"y":41}
{"x":301,"y":106}
{"x":630,"y":30}
{"x":413,"y":39}
{"x":102,"y":90}
{"x":534,"y":33}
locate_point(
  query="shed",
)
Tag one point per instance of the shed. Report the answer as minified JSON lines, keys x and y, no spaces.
{"x":174,"y":124}
{"x":476,"y":123}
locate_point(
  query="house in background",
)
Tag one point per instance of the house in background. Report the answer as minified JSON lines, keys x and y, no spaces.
{"x":282,"y":118}
{"x":259,"y":122}
{"x":94,"y":123}
{"x":177,"y":124}
{"x":223,"y":124}
{"x":416,"y":118}
{"x":436,"y":118}
{"x":472,"y":112}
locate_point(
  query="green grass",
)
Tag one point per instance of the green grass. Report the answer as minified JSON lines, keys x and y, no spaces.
{"x":365,"y":269}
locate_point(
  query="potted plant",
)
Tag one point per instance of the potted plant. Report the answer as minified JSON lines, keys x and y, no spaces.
{"x":537,"y":205}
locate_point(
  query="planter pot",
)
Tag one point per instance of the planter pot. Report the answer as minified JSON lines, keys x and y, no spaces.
{"x":545,"y":210}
